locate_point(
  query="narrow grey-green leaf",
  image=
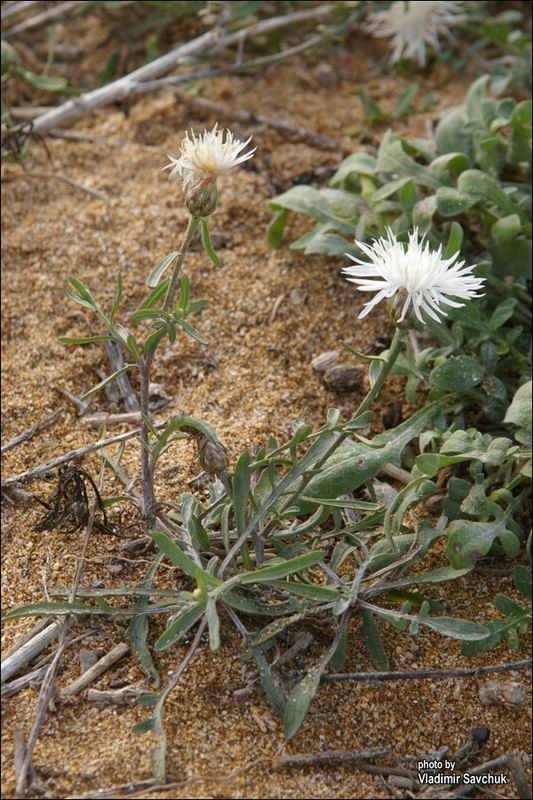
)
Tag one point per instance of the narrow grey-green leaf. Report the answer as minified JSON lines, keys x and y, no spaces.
{"x":158,"y":272}
{"x":208,"y":244}
{"x":213,"y":623}
{"x":373,"y":640}
{"x":107,"y":380}
{"x":180,"y":626}
{"x":461,"y":629}
{"x":81,"y":340}
{"x":175,"y":553}
{"x":48,"y":610}
{"x":279,"y":570}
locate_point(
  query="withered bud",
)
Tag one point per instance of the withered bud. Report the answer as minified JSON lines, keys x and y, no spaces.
{"x":201,"y":196}
{"x":213,"y":456}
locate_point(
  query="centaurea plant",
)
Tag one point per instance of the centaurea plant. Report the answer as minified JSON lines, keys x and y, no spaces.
{"x":200,"y":162}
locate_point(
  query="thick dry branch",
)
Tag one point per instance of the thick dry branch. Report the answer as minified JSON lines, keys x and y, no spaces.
{"x":32,"y":678}
{"x":16,"y":8}
{"x":33,"y":431}
{"x":44,"y":18}
{"x":120,"y":697}
{"x":211,"y":42}
{"x":425,"y":673}
{"x":37,"y":628}
{"x":94,"y":672}
{"x":329,"y":757}
{"x":31,"y":474}
{"x":23,"y":655}
{"x":251,"y":118}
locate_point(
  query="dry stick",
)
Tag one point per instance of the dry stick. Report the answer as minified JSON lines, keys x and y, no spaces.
{"x":119,"y":697}
{"x":44,"y":18}
{"x":377,"y":770}
{"x":59,"y":177}
{"x":94,"y":672}
{"x":81,"y":405}
{"x":109,"y":420}
{"x":47,"y":686}
{"x":116,"y":362}
{"x":16,"y":8}
{"x":251,"y":118}
{"x":37,"y":628}
{"x":463,"y":791}
{"x":425,"y":673}
{"x":211,"y":42}
{"x":33,"y":431}
{"x":34,"y":677}
{"x":397,"y":473}
{"x":23,"y":655}
{"x":31,"y":474}
{"x":329,"y":757}
{"x":213,"y":72}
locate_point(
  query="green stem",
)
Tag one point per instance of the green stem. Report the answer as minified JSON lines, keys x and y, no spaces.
{"x":384,"y":372}
{"x":149,"y":499}
{"x":189,"y":233}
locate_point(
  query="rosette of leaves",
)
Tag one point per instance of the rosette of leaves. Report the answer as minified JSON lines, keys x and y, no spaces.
{"x":469,"y":185}
{"x":290,"y":540}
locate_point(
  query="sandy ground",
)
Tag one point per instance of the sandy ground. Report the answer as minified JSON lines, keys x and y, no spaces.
{"x":253,"y":379}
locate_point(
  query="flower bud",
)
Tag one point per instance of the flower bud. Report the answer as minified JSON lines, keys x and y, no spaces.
{"x":201,"y":196}
{"x":213,"y":456}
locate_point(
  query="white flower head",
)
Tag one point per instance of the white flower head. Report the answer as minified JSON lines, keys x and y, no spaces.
{"x":415,"y":25}
{"x":208,"y":155}
{"x":428,"y":279}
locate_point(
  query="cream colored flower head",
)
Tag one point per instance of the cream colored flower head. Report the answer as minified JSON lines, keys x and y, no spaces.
{"x":419,"y":274}
{"x":415,"y":25}
{"x":208,"y":155}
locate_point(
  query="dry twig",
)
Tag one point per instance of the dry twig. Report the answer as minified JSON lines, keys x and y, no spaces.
{"x":251,"y":118}
{"x":33,"y":431}
{"x":119,"y":697}
{"x":425,"y":673}
{"x":35,"y":472}
{"x":94,"y":672}
{"x":109,"y":420}
{"x":58,"y":176}
{"x":328,"y":757}
{"x":9,"y":10}
{"x":33,"y":678}
{"x":24,"y":654}
{"x":116,"y":362}
{"x":211,"y":42}
{"x":44,"y":18}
